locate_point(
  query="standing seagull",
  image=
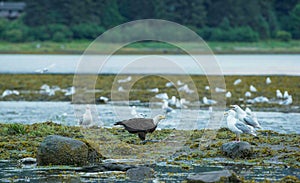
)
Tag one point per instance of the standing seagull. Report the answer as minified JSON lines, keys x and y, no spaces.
{"x":141,"y":126}
{"x":279,"y":94}
{"x":246,"y":118}
{"x":87,"y":117}
{"x":252,"y":88}
{"x":268,"y":81}
{"x":236,"y":126}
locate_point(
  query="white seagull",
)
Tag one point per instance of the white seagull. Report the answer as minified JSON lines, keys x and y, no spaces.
{"x":279,"y":94}
{"x":248,"y":94}
{"x":237,"y":126}
{"x":236,"y":82}
{"x":87,"y":118}
{"x":45,"y":69}
{"x":228,"y":95}
{"x":252,"y":88}
{"x":208,"y":101}
{"x":125,"y":80}
{"x":248,"y":119}
{"x":285,"y":94}
{"x":268,"y":81}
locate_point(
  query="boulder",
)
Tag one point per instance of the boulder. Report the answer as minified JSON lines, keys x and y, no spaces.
{"x":214,"y":176}
{"x":237,"y":149}
{"x":140,"y":173}
{"x":59,"y":150}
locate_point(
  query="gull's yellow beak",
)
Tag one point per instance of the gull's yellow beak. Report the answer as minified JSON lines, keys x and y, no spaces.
{"x":232,"y":106}
{"x":162,"y":117}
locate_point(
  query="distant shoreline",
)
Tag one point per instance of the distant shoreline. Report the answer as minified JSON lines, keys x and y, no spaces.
{"x":78,"y":47}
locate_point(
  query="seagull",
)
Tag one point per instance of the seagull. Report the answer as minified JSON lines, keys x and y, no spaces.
{"x":135,"y":114}
{"x":287,"y":101}
{"x":248,"y":119}
{"x":103,"y":99}
{"x":228,"y":95}
{"x":279,"y":94}
{"x":268,"y":81}
{"x":87,"y":118}
{"x":260,"y":99}
{"x":154,"y":90}
{"x":236,"y":82}
{"x":186,"y":89}
{"x":45,"y":69}
{"x":285,"y":94}
{"x":163,"y":96}
{"x":70,"y":91}
{"x":125,"y":80}
{"x":166,"y":108}
{"x":179,"y":83}
{"x":10,"y":92}
{"x":237,"y":126}
{"x":207,"y":88}
{"x":121,"y":89}
{"x":248,"y":94}
{"x":252,"y":88}
{"x":169,"y":84}
{"x":208,"y":101}
{"x":220,"y":90}
{"x":172,"y":101}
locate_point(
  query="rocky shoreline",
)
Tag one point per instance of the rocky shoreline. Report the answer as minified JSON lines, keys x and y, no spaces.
{"x":199,"y":148}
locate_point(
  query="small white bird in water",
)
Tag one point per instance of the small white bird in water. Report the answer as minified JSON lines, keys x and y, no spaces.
{"x":252,"y":88}
{"x":246,"y":118}
{"x":237,"y":126}
{"x":45,"y":69}
{"x":268,"y":81}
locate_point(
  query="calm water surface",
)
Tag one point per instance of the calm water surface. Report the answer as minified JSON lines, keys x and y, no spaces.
{"x":229,"y":64}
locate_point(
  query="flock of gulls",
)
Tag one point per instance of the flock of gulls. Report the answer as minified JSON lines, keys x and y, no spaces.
{"x":238,"y":120}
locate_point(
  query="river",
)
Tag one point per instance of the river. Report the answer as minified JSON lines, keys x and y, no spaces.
{"x":228,"y":64}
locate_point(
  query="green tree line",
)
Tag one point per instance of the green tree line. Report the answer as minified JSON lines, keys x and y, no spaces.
{"x":214,"y":20}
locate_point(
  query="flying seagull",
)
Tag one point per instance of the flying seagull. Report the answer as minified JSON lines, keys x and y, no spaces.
{"x":237,"y":126}
{"x":141,"y":126}
{"x":245,"y":117}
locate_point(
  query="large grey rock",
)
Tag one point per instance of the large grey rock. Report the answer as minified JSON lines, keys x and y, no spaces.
{"x":58,"y":150}
{"x":237,"y":149}
{"x":140,"y":173}
{"x":214,"y":176}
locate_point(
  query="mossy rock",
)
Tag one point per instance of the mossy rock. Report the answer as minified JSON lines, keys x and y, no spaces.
{"x":59,"y":150}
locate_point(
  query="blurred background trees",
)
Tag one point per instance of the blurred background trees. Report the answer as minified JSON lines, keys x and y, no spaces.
{"x":214,"y":20}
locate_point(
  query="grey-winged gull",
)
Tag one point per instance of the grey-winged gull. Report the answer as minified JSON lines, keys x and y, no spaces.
{"x":245,"y":118}
{"x":237,"y":126}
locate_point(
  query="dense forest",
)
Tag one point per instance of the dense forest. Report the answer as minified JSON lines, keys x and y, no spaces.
{"x":214,"y":20}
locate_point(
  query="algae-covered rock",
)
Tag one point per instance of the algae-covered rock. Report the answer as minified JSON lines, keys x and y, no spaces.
{"x":140,"y":173}
{"x":58,"y":150}
{"x":214,"y":176}
{"x":237,"y":149}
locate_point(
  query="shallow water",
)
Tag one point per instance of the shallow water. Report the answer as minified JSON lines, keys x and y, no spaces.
{"x":10,"y":170}
{"x":107,"y":114}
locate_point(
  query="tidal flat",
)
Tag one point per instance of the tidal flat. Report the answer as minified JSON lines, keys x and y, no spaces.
{"x":29,"y":86}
